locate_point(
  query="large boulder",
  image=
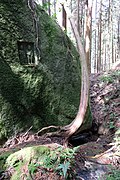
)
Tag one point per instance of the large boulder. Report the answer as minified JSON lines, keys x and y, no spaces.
{"x":40,"y":71}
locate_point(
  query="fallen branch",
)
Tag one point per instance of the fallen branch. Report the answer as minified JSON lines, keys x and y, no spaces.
{"x":27,"y":131}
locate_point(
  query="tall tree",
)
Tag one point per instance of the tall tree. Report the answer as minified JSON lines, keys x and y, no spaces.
{"x":99,"y":38}
{"x":49,"y":9}
{"x":88,"y":8}
{"x":64,"y":18}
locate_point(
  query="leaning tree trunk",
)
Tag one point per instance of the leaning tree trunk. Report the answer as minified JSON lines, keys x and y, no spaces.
{"x":77,"y":122}
{"x":74,"y":126}
{"x":64,"y":18}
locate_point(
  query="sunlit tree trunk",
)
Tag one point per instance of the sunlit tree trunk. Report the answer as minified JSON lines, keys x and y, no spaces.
{"x":88,"y":33}
{"x":99,"y":39}
{"x":77,"y":122}
{"x":105,"y":60}
{"x":78,"y":15}
{"x":95,"y":56}
{"x":112,"y":47}
{"x":118,"y":38}
{"x":98,"y":62}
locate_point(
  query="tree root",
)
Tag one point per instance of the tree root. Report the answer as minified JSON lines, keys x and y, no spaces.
{"x":47,"y":128}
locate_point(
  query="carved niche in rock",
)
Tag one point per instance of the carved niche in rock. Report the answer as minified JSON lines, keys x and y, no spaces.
{"x":26,"y":52}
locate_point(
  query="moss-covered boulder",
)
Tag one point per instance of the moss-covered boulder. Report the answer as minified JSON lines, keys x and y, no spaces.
{"x":26,"y":160}
{"x":39,"y":70}
{"x":23,"y":164}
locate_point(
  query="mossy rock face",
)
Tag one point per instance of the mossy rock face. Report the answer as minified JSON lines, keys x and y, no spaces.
{"x":36,"y":95}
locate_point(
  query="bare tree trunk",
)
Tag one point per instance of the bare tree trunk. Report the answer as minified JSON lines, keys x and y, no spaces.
{"x":55,"y":7}
{"x":64,"y":18}
{"x":118,"y":37}
{"x":112,"y":48}
{"x":100,"y":44}
{"x":100,"y":36}
{"x":96,"y":42}
{"x":49,"y":10}
{"x":115,"y":52}
{"x":95,"y":60}
{"x":88,"y":34}
{"x":78,"y":15}
{"x":77,"y":122}
{"x":105,"y":63}
{"x":82,"y":19}
{"x":98,"y":61}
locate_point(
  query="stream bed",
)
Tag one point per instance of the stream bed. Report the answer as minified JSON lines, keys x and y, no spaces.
{"x":92,"y":171}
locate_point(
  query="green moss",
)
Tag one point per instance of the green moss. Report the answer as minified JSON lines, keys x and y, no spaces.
{"x":3,"y":158}
{"x":27,"y":154}
{"x":24,"y":157}
{"x":110,"y":78}
{"x":14,"y":27}
{"x":20,"y":103}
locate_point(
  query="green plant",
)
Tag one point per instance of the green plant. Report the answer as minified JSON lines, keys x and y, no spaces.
{"x":63,"y":168}
{"x":113,"y":115}
{"x":33,"y":168}
{"x":113,"y":175}
{"x":111,"y":125}
{"x":117,"y":140}
{"x":66,"y":161}
{"x":54,"y":16}
{"x":107,"y":79}
{"x":46,"y":5}
{"x":50,"y":162}
{"x":60,"y":161}
{"x":68,"y":153}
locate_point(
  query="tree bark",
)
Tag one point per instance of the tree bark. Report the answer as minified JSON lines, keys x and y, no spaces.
{"x":77,"y":122}
{"x":88,"y":34}
{"x":49,"y":10}
{"x":74,"y":126}
{"x":64,"y":18}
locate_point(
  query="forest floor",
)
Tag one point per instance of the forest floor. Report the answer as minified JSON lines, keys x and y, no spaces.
{"x":100,"y":146}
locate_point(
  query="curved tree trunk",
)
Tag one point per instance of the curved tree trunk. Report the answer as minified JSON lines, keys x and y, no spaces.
{"x":77,"y":122}
{"x":74,"y":126}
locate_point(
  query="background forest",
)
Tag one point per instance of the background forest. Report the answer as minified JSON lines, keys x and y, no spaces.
{"x":98,"y":23}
